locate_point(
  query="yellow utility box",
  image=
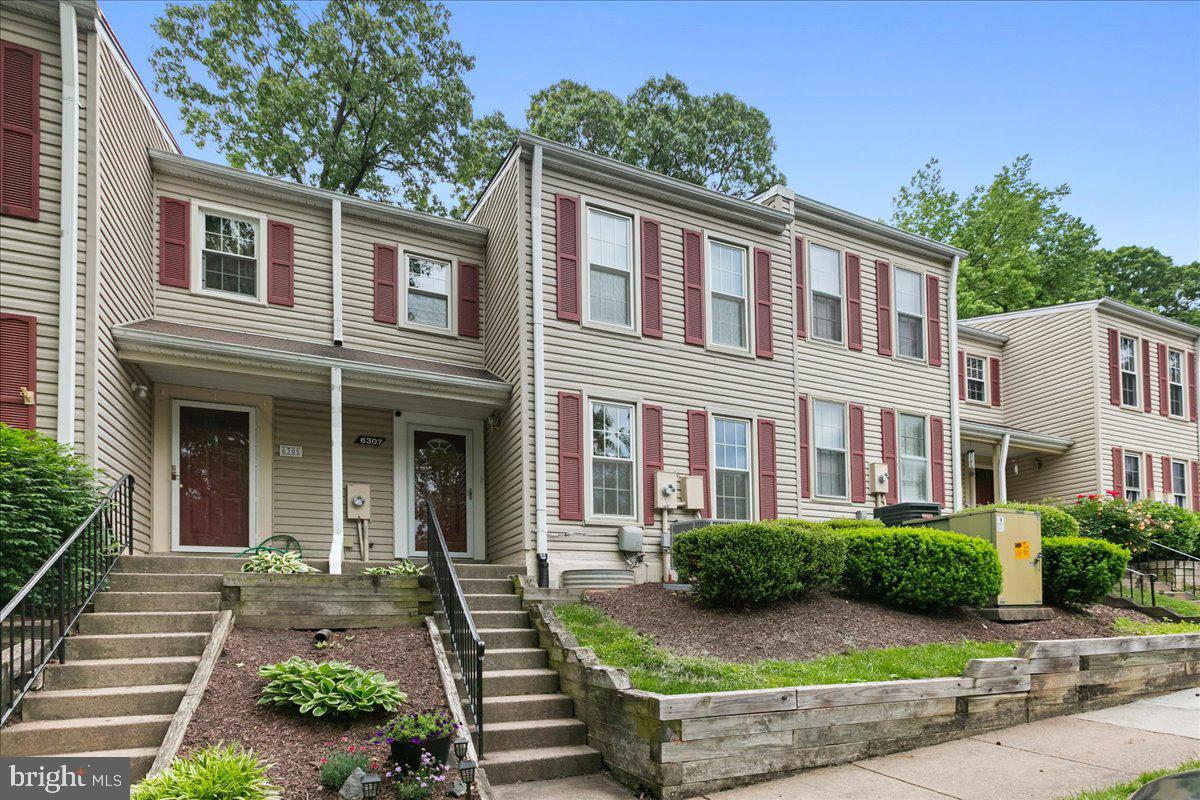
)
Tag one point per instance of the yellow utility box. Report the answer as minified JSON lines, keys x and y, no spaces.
{"x":1017,"y":537}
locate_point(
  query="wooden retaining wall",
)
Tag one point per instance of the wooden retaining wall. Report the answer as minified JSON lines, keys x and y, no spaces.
{"x":678,"y":746}
{"x":326,"y":601}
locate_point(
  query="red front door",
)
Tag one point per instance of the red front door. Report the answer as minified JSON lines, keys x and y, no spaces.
{"x":440,"y":478}
{"x":985,"y":487}
{"x":214,"y":477}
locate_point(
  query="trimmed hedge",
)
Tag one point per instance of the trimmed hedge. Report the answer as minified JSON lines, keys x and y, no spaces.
{"x":744,"y":564}
{"x":844,"y":523}
{"x":1079,"y":571}
{"x":1055,"y":521}
{"x":920,"y":568}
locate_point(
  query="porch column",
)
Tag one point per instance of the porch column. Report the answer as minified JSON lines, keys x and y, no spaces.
{"x":335,"y":468}
{"x":1002,"y":470}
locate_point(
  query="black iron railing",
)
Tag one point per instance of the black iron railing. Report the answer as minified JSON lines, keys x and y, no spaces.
{"x":1175,"y":568}
{"x":464,"y":636}
{"x":35,"y":623}
{"x":1138,"y":587}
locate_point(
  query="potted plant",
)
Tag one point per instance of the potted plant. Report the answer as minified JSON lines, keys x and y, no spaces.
{"x":410,"y":735}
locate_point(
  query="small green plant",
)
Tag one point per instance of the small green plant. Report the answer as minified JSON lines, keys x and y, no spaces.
{"x":417,"y":727}
{"x":404,"y":567}
{"x":275,"y":563}
{"x":328,"y":687}
{"x":1123,"y":790}
{"x":218,"y":772}
{"x":338,"y":762}
{"x":1055,"y":521}
{"x":1078,"y":571}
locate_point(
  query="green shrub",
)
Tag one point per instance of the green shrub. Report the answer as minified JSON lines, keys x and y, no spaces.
{"x":339,"y":764}
{"x":328,"y":687}
{"x":214,"y":773}
{"x":1174,"y":527}
{"x":741,"y":564}
{"x":45,"y":492}
{"x":1078,"y":570}
{"x":1055,"y":521}
{"x":845,"y":523}
{"x":276,"y":563}
{"x":1134,"y":525}
{"x":921,"y":568}
{"x":404,"y":567}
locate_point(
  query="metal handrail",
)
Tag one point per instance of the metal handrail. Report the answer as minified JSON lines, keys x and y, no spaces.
{"x":1138,"y":595}
{"x":34,"y":624}
{"x":468,"y":646}
{"x":1179,"y":570}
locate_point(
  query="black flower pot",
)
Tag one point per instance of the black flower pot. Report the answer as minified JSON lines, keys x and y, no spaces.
{"x":408,"y":755}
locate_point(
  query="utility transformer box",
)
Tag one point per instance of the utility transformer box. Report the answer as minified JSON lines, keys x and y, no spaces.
{"x":1017,"y":537}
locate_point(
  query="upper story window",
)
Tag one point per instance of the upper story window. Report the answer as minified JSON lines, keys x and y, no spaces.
{"x":829,"y":432}
{"x":610,"y":268}
{"x":1175,"y":382}
{"x":612,"y":460}
{"x":910,"y":314}
{"x":1133,"y":477}
{"x":1178,"y":486}
{"x":732,"y":460}
{"x":825,"y":275}
{"x":1129,"y":372}
{"x":428,"y":297}
{"x":976,"y":369}
{"x":229,"y":255}
{"x":727,"y":266}
{"x":914,"y":459}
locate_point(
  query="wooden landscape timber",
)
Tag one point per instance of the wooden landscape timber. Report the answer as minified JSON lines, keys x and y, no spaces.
{"x":307,"y":601}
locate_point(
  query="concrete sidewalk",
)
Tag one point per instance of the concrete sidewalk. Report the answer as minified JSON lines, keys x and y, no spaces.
{"x":1040,"y":761}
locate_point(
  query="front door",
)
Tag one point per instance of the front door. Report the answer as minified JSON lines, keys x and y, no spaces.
{"x":441,"y":477}
{"x":985,"y":487}
{"x":212,"y":474}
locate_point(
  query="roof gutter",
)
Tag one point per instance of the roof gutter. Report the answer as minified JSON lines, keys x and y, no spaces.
{"x":68,"y":274}
{"x":956,"y":492}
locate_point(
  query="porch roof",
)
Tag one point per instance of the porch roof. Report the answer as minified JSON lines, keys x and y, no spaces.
{"x":1025,"y":440}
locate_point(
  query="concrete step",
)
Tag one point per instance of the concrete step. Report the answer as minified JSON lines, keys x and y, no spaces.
{"x":489,"y":620}
{"x":522,"y":707}
{"x":467,"y":570}
{"x":515,"y":658}
{"x":140,"y":759}
{"x":493,"y":602}
{"x":511,"y":766}
{"x":76,"y":735}
{"x":486,"y":585}
{"x":158,"y":601}
{"x":132,"y":645}
{"x":500,"y":638}
{"x":147,"y":622}
{"x":164,"y":582}
{"x":531,"y":734}
{"x":499,"y":682}
{"x":105,"y":672}
{"x":113,"y":701}
{"x":173,"y":564}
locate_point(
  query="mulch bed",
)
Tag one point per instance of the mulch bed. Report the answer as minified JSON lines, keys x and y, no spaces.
{"x":230,"y":710}
{"x":823,"y":624}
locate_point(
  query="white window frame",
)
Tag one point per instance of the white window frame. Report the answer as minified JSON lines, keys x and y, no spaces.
{"x":816,"y":481}
{"x":811,"y":293}
{"x":747,"y":299}
{"x":635,"y":255}
{"x":924,"y":317}
{"x":1133,"y":494}
{"x":402,"y":320}
{"x":634,"y":406}
{"x":1137,"y":379}
{"x":1179,"y":498}
{"x":196,"y":256}
{"x":1181,"y":384}
{"x":752,"y":482}
{"x":983,"y":380}
{"x":901,"y":458}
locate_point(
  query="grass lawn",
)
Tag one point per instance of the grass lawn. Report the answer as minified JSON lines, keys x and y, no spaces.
{"x":1129,"y":627}
{"x":654,"y":669}
{"x":1184,"y":608}
{"x":1121,"y":791}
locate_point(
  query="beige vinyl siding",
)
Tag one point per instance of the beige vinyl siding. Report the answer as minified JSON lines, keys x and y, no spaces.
{"x":359,"y":236}
{"x":985,"y":412}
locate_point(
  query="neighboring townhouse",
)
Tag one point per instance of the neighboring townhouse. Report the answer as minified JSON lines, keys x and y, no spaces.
{"x":1080,"y":398}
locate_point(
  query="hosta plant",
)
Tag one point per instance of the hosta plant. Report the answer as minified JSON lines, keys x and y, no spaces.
{"x":404,"y":567}
{"x":276,"y":563}
{"x":328,"y":687}
{"x":218,"y":772}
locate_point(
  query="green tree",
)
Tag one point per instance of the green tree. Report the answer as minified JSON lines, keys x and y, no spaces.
{"x":1146,"y":277}
{"x":369,"y":98}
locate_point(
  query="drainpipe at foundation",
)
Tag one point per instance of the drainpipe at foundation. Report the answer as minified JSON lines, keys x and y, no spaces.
{"x":956,"y":479}
{"x":335,"y":469}
{"x":539,"y":376}
{"x":69,"y":223}
{"x":1002,"y":472}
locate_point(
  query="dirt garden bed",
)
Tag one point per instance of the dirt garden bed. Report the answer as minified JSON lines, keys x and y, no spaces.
{"x":293,"y":743}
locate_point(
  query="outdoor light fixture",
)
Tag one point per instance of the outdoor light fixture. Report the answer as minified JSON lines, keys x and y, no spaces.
{"x":467,"y":770}
{"x":370,"y":785}
{"x":460,"y":747}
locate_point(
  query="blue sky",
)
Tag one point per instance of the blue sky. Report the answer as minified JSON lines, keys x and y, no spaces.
{"x":1105,"y":96}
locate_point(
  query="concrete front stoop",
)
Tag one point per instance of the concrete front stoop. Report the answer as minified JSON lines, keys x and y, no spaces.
{"x":128,"y":663}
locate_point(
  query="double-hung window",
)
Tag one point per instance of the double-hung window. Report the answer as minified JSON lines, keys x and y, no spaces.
{"x":910,"y":314}
{"x":428,"y":298}
{"x":1175,"y":382}
{"x":727,"y":266}
{"x":1133,"y":477}
{"x":829,"y":432}
{"x":976,"y":369}
{"x":1178,"y":486}
{"x":610,"y":268}
{"x":229,"y":256}
{"x":731,"y":438}
{"x":914,"y":459}
{"x":825,"y":275}
{"x":612,"y":460}
{"x":1129,"y":372}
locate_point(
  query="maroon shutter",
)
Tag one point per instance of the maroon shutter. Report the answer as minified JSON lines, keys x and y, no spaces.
{"x":20,"y":130}
{"x":1191,"y":379}
{"x":802,"y":440}
{"x":693,"y":288}
{"x":1168,"y":485}
{"x":1147,"y":401}
{"x":764,"y":309}
{"x":768,"y":495}
{"x":385,"y":283}
{"x":698,"y":451}
{"x":1150,"y":476}
{"x":1164,"y":398}
{"x":1114,"y":367}
{"x":652,"y":320}
{"x":854,"y":334}
{"x":994,"y":378}
{"x":858,"y":455}
{"x":281,"y":265}
{"x":937,"y":459}
{"x":962,"y":375}
{"x":933,"y":304}
{"x":801,"y":295}
{"x":883,"y":306}
{"x":173,"y":256}
{"x":18,"y":370}
{"x":570,"y":456}
{"x":566,"y":209}
{"x":1118,"y":466}
{"x":887,"y":422}
{"x":468,"y":300}
{"x":652,"y":456}
{"x":1196,"y":486}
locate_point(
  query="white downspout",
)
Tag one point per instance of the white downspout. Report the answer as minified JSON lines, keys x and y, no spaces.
{"x":955,"y":422}
{"x":336,"y":246}
{"x":539,"y":376}
{"x":69,"y":222}
{"x":1002,"y":472}
{"x":335,"y":469}
{"x":91,"y":323}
